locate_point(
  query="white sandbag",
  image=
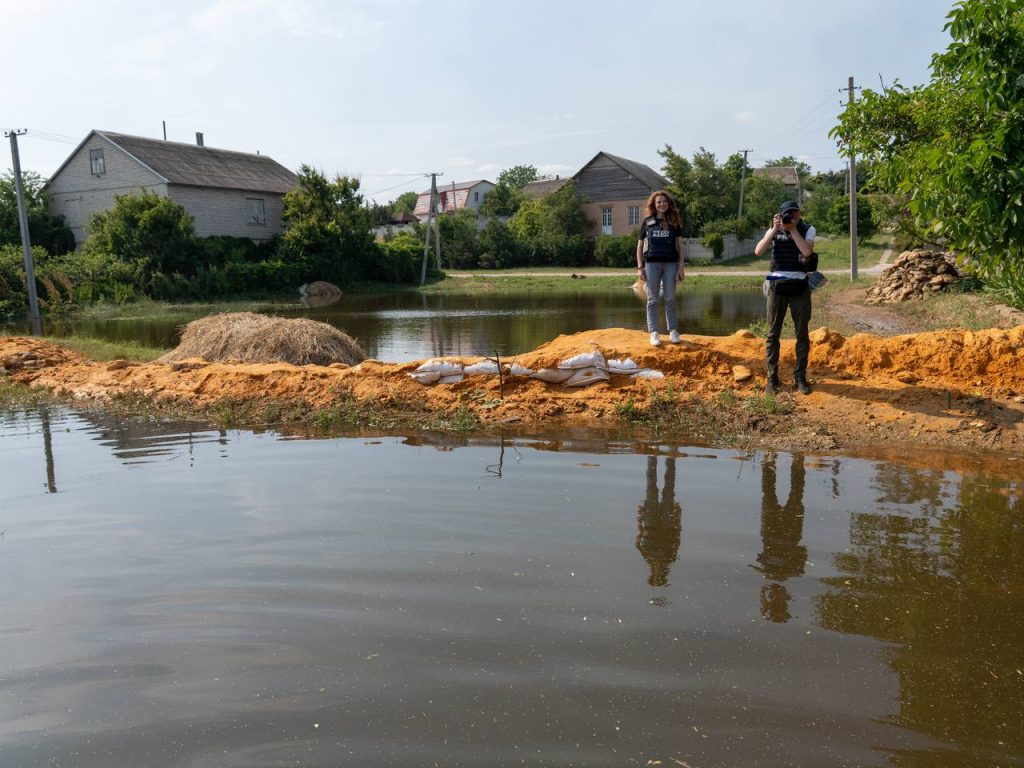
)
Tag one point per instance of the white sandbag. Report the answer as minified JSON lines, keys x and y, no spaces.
{"x":487,"y":367}
{"x":518,"y":370}
{"x":553,"y":375}
{"x":648,"y":373}
{"x":425,"y":377}
{"x":452,"y":378}
{"x":441,"y":366}
{"x":623,"y":366}
{"x":584,"y":377}
{"x":593,"y":359}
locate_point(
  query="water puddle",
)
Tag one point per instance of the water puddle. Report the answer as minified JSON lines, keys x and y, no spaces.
{"x":180,"y":596}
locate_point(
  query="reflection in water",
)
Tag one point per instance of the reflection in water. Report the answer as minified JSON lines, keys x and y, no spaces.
{"x":944,"y":587}
{"x":782,"y":555}
{"x":659,"y":522}
{"x":51,"y":472}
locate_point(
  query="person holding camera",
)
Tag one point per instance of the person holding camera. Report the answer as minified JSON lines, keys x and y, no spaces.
{"x":659,"y":259}
{"x":786,"y":287}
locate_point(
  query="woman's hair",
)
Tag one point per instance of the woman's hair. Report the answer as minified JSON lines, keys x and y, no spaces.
{"x":672,"y":215}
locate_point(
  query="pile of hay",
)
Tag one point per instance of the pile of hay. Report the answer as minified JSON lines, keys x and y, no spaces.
{"x":250,"y":338}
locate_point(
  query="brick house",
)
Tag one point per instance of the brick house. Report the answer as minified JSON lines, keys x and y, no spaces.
{"x":615,"y":190}
{"x":225,"y":192}
{"x":455,"y":196}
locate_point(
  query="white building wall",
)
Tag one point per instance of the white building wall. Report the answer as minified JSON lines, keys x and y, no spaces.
{"x":76,"y":193}
{"x":228,"y":211}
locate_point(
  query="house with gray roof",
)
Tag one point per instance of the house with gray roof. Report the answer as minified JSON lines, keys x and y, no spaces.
{"x":226,"y":192}
{"x":614,"y":191}
{"x":784,"y":174}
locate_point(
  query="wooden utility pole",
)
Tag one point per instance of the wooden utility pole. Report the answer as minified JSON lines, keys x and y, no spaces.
{"x":26,"y":242}
{"x":743,"y":176}
{"x":432,"y":227}
{"x":853,"y":196}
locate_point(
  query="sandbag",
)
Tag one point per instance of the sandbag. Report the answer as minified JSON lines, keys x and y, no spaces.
{"x":593,"y":359}
{"x":623,"y":366}
{"x":441,"y":366}
{"x":553,"y":375}
{"x":486,"y":367}
{"x":584,"y":377}
{"x":648,"y":373}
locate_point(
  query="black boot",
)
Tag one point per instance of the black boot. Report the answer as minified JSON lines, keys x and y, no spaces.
{"x":801,"y":384}
{"x":773,"y":386}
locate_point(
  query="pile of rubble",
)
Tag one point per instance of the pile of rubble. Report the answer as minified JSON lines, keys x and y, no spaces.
{"x":912,"y":275}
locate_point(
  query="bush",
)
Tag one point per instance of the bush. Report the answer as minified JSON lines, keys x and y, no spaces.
{"x":715,"y":242}
{"x":616,"y":250}
{"x":499,"y":248}
{"x":400,"y":260}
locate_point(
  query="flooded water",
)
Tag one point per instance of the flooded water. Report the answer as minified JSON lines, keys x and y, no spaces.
{"x":399,"y":327}
{"x":175,"y":596}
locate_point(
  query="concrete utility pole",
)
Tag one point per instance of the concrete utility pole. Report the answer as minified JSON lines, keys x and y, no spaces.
{"x":743,"y":176}
{"x":432,"y":226}
{"x":853,"y":197}
{"x":26,"y":242}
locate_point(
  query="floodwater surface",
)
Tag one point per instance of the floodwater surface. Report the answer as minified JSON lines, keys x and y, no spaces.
{"x":175,"y":596}
{"x":399,"y":327}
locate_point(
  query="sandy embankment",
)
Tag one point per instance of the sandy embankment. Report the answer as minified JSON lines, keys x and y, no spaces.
{"x":950,"y":388}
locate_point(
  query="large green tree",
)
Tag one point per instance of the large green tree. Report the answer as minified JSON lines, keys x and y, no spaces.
{"x":953,"y":149}
{"x":551,"y":229}
{"x":327,"y":228}
{"x":46,"y":231}
{"x":518,"y":176}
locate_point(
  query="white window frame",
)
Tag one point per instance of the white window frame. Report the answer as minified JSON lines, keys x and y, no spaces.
{"x":606,"y":221}
{"x":634,"y":215}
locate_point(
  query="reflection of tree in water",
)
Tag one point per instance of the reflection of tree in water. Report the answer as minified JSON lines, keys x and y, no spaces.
{"x":782,"y":527}
{"x":947,"y":590}
{"x":659,"y":522}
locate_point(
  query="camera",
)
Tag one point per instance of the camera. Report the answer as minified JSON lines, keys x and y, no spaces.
{"x":787,"y":218}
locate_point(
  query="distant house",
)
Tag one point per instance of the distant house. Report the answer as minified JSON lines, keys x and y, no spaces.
{"x":454,"y":197}
{"x":786,"y":174}
{"x":614,"y":190}
{"x":543,"y":187}
{"x":402,"y":222}
{"x":226,"y":192}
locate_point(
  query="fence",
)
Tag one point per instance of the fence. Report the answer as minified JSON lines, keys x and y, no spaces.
{"x":733,"y":247}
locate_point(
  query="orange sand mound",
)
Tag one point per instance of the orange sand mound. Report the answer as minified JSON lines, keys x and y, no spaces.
{"x":946,"y":388}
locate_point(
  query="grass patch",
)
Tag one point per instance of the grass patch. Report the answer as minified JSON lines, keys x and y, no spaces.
{"x":15,"y":396}
{"x":102,"y":350}
{"x":973,"y":311}
{"x":768,"y":405}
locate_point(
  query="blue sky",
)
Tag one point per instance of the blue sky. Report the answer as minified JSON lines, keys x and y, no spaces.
{"x":391,"y":87}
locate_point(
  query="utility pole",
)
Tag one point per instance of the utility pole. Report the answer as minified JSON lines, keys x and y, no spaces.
{"x":26,"y":242}
{"x":432,"y":226}
{"x":743,"y":176}
{"x":853,"y":195}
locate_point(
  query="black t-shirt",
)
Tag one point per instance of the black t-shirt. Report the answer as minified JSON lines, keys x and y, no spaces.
{"x":661,"y":240}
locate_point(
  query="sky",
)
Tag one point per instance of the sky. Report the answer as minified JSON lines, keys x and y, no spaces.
{"x":390,"y":90}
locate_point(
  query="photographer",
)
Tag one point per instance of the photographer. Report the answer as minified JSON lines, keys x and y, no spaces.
{"x":786,"y":286}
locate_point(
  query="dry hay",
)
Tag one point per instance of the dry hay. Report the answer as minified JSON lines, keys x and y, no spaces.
{"x":251,"y":338}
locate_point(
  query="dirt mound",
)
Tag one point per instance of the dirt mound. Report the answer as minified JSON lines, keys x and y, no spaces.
{"x":912,"y":275}
{"x":247,"y":337}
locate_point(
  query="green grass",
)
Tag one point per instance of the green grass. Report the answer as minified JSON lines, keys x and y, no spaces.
{"x":102,"y":350}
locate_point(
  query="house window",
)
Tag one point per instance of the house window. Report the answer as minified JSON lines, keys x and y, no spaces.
{"x":257,"y":211}
{"x":606,"y":221}
{"x":97,"y":165}
{"x":634,"y":215}
{"x":476,"y":197}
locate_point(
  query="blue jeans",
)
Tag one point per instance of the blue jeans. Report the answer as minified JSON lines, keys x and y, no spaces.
{"x":661,"y":280}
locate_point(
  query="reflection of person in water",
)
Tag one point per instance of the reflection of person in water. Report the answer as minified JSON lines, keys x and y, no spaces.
{"x":659,"y":522}
{"x":782,"y":526}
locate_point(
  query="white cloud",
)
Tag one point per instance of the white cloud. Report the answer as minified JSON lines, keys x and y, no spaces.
{"x":744,"y":117}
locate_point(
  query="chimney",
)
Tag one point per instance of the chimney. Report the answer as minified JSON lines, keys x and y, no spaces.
{"x":199,"y":139}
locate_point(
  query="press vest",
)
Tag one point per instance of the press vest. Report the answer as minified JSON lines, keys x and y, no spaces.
{"x":785,"y":254}
{"x":661,"y":240}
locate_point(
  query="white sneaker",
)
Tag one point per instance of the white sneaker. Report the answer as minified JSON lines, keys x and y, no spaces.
{"x":674,"y":337}
{"x":655,"y":341}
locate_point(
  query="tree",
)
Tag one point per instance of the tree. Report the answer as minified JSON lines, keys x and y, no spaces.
{"x":954,"y":149}
{"x":46,"y":231}
{"x":404,"y":203}
{"x":705,"y":190}
{"x":551,"y":229}
{"x":503,"y":200}
{"x":837,"y":220}
{"x":518,"y":176}
{"x":148,"y":230}
{"x":327,"y":228}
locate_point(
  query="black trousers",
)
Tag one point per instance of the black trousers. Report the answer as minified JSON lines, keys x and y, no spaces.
{"x":799,"y":307}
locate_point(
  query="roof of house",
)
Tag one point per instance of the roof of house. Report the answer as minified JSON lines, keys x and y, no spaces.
{"x":543,"y":187}
{"x":645,"y":174}
{"x":457,"y":185}
{"x":785,"y":173}
{"x":201,"y":166}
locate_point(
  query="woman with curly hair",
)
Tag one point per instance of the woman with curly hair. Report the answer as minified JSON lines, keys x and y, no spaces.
{"x":659,"y":258}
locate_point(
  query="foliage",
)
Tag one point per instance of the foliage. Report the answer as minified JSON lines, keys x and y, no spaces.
{"x":404,"y":203}
{"x":705,"y":190}
{"x":459,"y":239}
{"x":518,"y":176}
{"x":147,"y":230}
{"x":762,"y":197}
{"x":715,"y":242}
{"x":550,"y":230}
{"x":616,"y":250}
{"x":400,"y":260}
{"x":46,"y":231}
{"x":838,"y":218}
{"x":954,"y":148}
{"x":803,"y":170}
{"x":499,"y":247}
{"x":503,"y":200}
{"x":327,"y":229}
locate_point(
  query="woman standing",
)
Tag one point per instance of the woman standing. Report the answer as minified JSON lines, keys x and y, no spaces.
{"x":659,"y":257}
